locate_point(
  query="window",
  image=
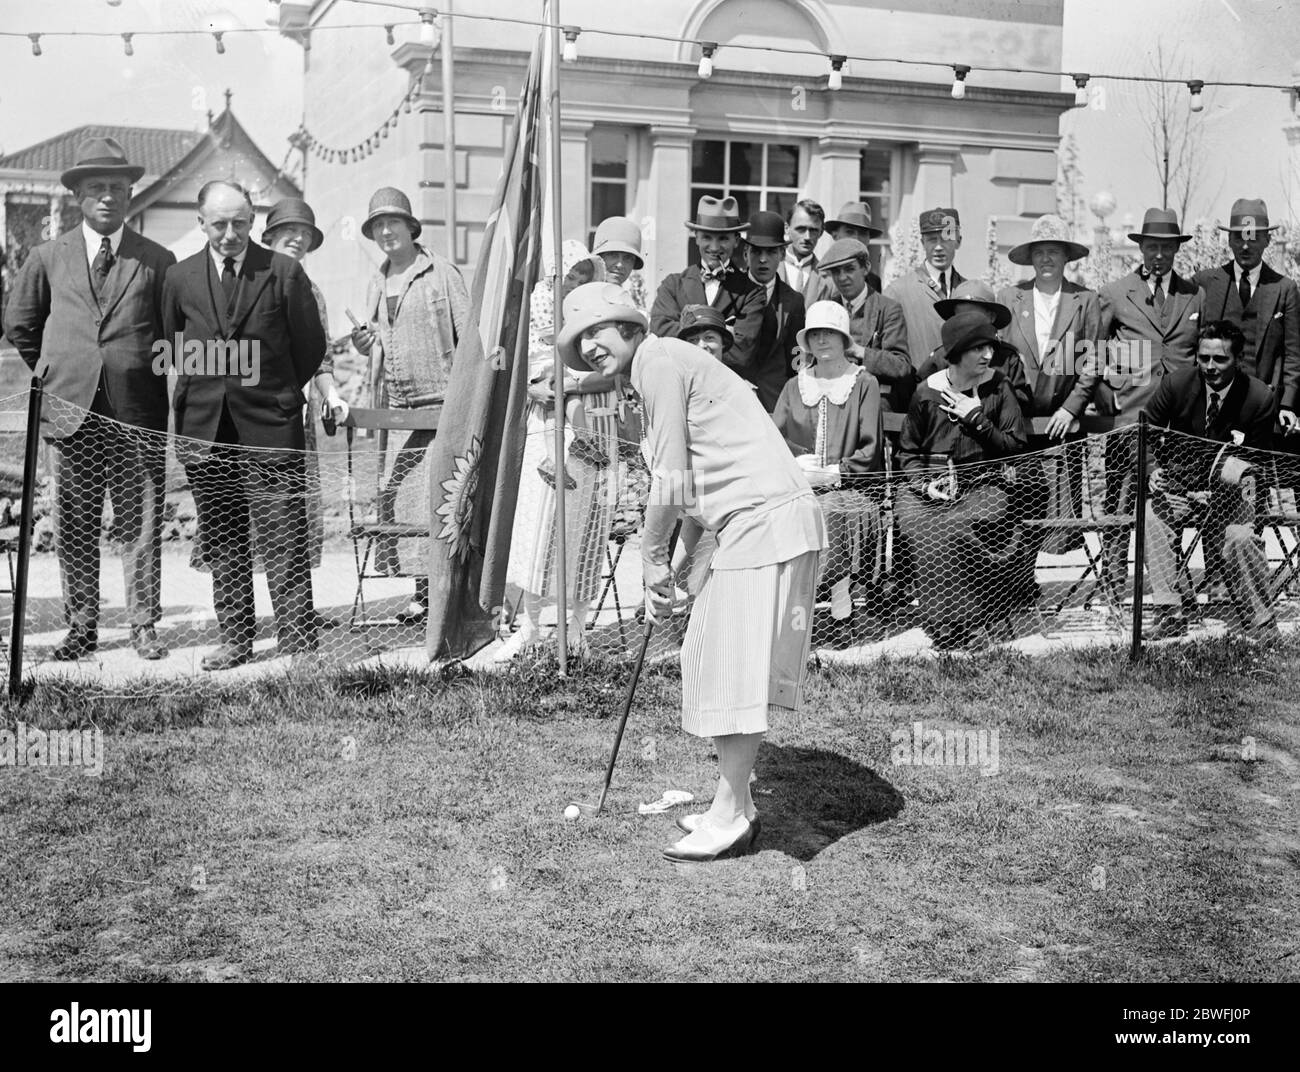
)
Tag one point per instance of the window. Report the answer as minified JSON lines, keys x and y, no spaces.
{"x":759,"y":175}
{"x":876,"y":188}
{"x":608,"y":147}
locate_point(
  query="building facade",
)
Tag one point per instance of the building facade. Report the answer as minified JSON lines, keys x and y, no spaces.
{"x":644,"y":135}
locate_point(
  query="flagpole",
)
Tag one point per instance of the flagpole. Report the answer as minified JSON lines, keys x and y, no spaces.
{"x":561,"y":554}
{"x":449,"y":131}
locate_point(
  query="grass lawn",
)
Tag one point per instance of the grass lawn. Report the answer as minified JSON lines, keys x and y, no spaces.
{"x":394,"y":826}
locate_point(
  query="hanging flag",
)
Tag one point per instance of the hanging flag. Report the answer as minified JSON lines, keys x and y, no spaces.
{"x":478,"y":452}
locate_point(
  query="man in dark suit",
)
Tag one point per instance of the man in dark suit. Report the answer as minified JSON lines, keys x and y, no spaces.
{"x":235,"y":298}
{"x":772,"y":362}
{"x":876,"y":322}
{"x":715,"y":281}
{"x":1264,"y":304}
{"x":1198,"y":481}
{"x":84,"y":314}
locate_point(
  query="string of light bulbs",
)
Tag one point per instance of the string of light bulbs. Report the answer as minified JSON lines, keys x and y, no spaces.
{"x":428,"y":18}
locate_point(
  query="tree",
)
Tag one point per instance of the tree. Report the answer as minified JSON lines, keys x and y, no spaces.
{"x":1177,"y":136}
{"x":1070,"y":204}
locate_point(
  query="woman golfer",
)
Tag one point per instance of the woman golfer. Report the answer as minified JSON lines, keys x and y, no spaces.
{"x":718,"y":463}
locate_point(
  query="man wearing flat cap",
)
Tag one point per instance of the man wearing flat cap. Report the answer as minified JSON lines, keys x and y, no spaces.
{"x":783,"y":310}
{"x":876,"y":322}
{"x":85,"y":312}
{"x":918,"y":290}
{"x":1264,"y":305}
{"x":854,"y":221}
{"x":715,"y":281}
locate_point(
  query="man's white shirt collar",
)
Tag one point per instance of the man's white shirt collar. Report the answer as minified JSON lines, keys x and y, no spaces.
{"x":94,"y":240}
{"x":769,"y":286}
{"x":861,"y":300}
{"x":219,"y":262}
{"x":1252,"y":275}
{"x":937,"y":276}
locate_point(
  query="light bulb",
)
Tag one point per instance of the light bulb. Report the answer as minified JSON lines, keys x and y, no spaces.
{"x":707,"y":48}
{"x":1080,"y":90}
{"x":428,"y":28}
{"x":389,"y":31}
{"x":36,"y":44}
{"x":570,"y":54}
{"x":836,"y":78}
{"x":127,"y":47}
{"x":1197,"y":103}
{"x":960,"y":71}
{"x":221,"y":45}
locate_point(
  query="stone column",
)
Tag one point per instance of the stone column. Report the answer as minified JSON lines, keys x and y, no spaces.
{"x":839,"y":172}
{"x":933,"y":185}
{"x":669,"y":183}
{"x":573,"y":185}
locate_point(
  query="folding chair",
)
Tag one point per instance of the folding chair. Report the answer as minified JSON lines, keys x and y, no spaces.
{"x":366,"y":534}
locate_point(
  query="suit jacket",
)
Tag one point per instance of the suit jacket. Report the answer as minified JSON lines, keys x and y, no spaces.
{"x":1053,"y":383}
{"x":1179,"y":404}
{"x":879,"y":328}
{"x":64,"y":335}
{"x":739,"y":299}
{"x":1139,"y":348}
{"x":1276,"y":356}
{"x":276,"y":315}
{"x":916,"y":292}
{"x":773,"y":363}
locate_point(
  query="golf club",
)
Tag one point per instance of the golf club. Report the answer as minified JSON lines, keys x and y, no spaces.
{"x":595,"y":809}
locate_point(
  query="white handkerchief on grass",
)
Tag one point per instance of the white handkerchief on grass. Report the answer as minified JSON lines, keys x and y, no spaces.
{"x":670,"y":799}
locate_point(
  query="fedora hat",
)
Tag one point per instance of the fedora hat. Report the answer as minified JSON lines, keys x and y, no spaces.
{"x":618,"y":234}
{"x":389,"y":201}
{"x":765,"y":229}
{"x":964,"y":331}
{"x":855,"y":214}
{"x":1160,"y":223}
{"x":1048,"y":229}
{"x":714,"y":214}
{"x":979,"y":293}
{"x":585,"y":307}
{"x":830,"y":315}
{"x":1249,"y":213}
{"x":841,"y":251}
{"x":100,"y":156}
{"x":938,"y":219}
{"x":293,"y":210}
{"x":697,"y":318}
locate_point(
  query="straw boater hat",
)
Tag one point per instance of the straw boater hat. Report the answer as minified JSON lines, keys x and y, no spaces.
{"x":698,"y":318}
{"x":100,"y":156}
{"x":964,"y":331}
{"x":979,"y":293}
{"x":293,"y":210}
{"x":832,"y":315}
{"x":1160,"y":223}
{"x":722,"y":216}
{"x":1249,"y":213}
{"x":388,"y":201}
{"x":855,"y":214}
{"x":1047,"y":229}
{"x":765,"y":229}
{"x":841,"y":251}
{"x":618,"y":234}
{"x":589,"y":305}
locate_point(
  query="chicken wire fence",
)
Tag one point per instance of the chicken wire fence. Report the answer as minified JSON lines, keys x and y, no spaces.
{"x":281,"y":552}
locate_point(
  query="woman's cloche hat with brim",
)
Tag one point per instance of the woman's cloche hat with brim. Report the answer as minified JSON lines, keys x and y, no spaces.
{"x":100,"y":156}
{"x":697,"y":318}
{"x":389,"y":201}
{"x":977,"y":292}
{"x":830,"y":315}
{"x":589,"y":305}
{"x":293,"y":210}
{"x":964,"y":331}
{"x":1048,"y":229}
{"x":619,"y":234}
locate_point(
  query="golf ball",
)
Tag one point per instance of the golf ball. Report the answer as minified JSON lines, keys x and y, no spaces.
{"x":572,"y":812}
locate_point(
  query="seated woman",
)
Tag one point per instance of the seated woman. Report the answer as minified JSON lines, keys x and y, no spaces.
{"x":830,"y":415}
{"x":959,"y":520}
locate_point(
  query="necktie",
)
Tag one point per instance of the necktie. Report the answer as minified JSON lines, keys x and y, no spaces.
{"x":1245,"y":289}
{"x":943,"y":283}
{"x":228,"y":281}
{"x":102,"y":265}
{"x":1158,"y":297}
{"x":1212,"y":412}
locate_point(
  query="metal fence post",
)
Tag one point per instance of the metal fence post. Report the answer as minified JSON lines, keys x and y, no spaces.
{"x":1139,"y":533}
{"x":25,"y":531}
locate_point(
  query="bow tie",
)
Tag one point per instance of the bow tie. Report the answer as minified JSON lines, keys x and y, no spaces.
{"x":719,"y":273}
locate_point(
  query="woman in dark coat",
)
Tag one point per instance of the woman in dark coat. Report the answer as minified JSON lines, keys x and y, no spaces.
{"x":959,"y":514}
